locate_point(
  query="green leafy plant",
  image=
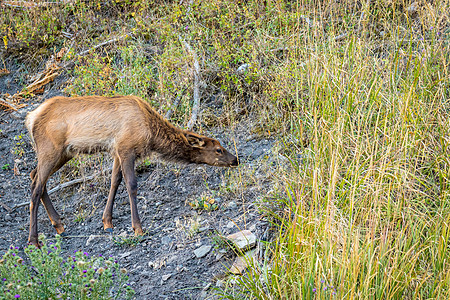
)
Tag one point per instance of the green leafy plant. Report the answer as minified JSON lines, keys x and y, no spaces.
{"x":18,"y":149}
{"x":130,"y":241}
{"x":204,"y":202}
{"x":46,"y":274}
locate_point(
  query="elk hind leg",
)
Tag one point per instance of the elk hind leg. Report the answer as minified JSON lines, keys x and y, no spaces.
{"x":49,"y":208}
{"x":39,"y":192}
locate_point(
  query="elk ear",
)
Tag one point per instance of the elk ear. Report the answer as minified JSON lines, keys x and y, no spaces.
{"x":195,"y":141}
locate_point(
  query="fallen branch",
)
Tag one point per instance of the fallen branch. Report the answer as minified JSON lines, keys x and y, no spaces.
{"x":41,"y":79}
{"x":70,"y":183}
{"x":5,"y":103}
{"x":20,"y":205}
{"x":30,"y":4}
{"x":36,"y":85}
{"x":196,"y":104}
{"x":63,"y":186}
{"x":82,"y":53}
{"x":5,"y":207}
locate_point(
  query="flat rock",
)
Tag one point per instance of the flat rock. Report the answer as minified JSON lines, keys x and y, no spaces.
{"x":165,"y":240}
{"x":90,"y":239}
{"x":230,"y":224}
{"x":242,"y":262}
{"x":202,"y":251}
{"x":242,"y":240}
{"x":232,"y":205}
{"x":166,"y":277}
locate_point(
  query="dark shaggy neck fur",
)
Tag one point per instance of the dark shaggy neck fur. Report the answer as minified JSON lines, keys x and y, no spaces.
{"x":164,"y":138}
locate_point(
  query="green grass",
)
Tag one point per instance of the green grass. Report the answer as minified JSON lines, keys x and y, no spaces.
{"x":365,"y":211}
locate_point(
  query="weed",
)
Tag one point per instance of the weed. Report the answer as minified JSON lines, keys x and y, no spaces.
{"x":6,"y":167}
{"x":194,"y":227}
{"x":130,"y":241}
{"x":204,"y":202}
{"x":51,"y":276}
{"x":219,"y":241}
{"x":18,"y":149}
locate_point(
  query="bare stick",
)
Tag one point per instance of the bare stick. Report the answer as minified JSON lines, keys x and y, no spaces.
{"x":5,"y":207}
{"x":63,"y":186}
{"x":103,"y":44}
{"x":70,"y":183}
{"x":196,"y":104}
{"x":4,"y":103}
{"x":30,"y":4}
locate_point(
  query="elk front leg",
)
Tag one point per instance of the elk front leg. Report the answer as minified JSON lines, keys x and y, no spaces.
{"x":127,"y":163}
{"x":116,"y":179}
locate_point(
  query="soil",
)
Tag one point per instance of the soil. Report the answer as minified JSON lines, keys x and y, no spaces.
{"x":163,"y":264}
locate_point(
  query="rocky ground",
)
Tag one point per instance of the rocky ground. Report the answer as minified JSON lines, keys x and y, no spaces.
{"x":163,"y":265}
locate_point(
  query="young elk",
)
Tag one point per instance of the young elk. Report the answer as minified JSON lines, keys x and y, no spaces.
{"x":125,"y":126}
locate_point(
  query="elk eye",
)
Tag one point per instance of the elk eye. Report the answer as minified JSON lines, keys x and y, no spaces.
{"x":219,"y":151}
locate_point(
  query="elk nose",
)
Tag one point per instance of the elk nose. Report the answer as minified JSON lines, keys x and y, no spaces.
{"x":235,"y":162}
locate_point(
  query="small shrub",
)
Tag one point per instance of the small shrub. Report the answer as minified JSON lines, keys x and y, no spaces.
{"x":45,"y":274}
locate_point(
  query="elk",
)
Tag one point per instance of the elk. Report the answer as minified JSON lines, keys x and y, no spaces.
{"x":125,"y":126}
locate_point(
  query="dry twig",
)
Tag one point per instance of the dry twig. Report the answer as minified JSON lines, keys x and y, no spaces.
{"x":63,"y":186}
{"x":5,"y":207}
{"x":82,"y":53}
{"x":5,"y":103}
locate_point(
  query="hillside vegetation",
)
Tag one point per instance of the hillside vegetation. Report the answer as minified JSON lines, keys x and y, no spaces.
{"x":356,"y":94}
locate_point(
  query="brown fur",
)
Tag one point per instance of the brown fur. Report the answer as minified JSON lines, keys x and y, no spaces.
{"x":125,"y":126}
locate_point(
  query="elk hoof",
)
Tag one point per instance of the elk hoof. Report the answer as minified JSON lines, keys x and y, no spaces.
{"x":138,"y":232}
{"x":109,"y":230}
{"x":64,"y":234}
{"x":35,"y":243}
{"x":59,"y":229}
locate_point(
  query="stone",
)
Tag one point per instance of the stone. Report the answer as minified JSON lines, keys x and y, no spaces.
{"x":123,"y":255}
{"x":8,"y":217}
{"x":202,"y":251}
{"x":90,"y":239}
{"x":232,"y":205}
{"x":166,"y":277}
{"x":242,"y":262}
{"x":165,"y":240}
{"x":412,"y":9}
{"x":220,"y":283}
{"x":243,"y":240}
{"x":243,"y":68}
{"x":204,"y":228}
{"x":230,"y":224}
